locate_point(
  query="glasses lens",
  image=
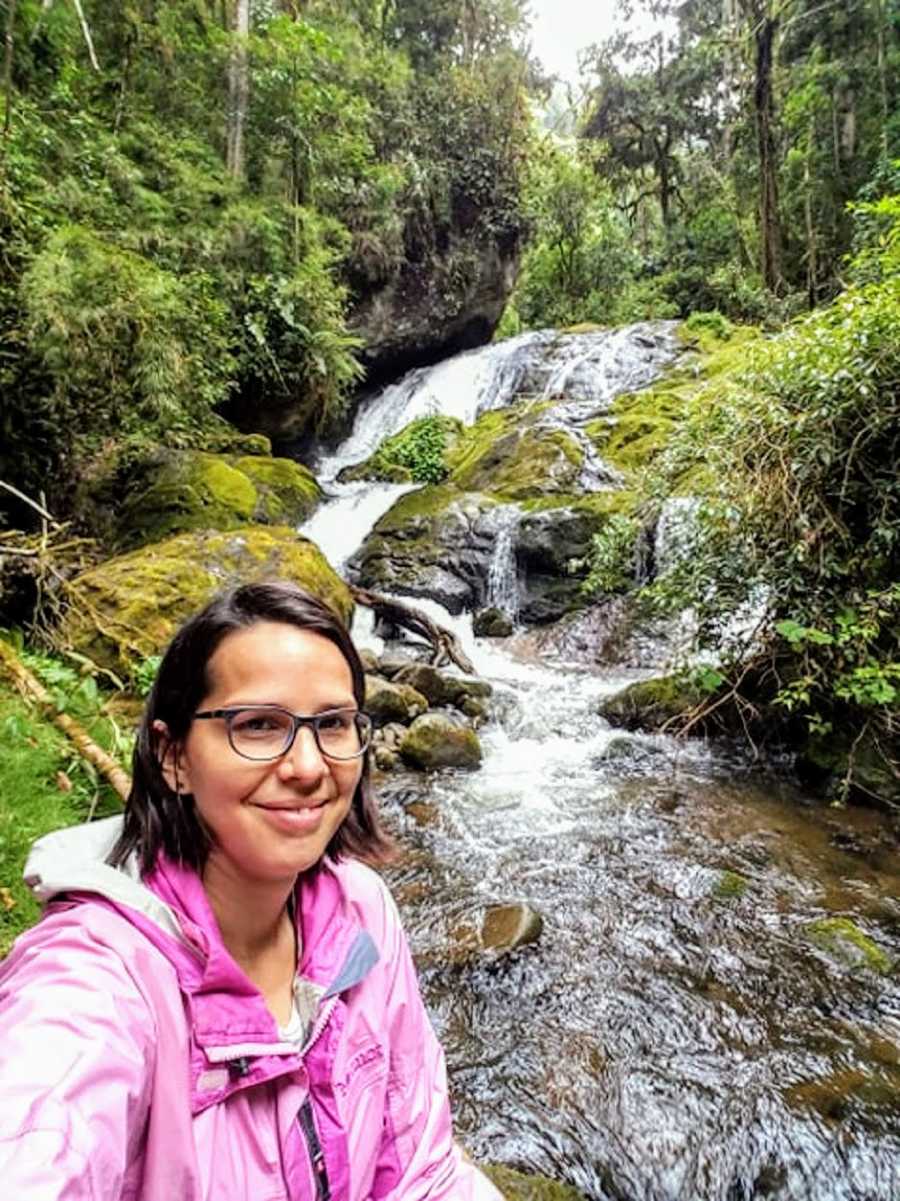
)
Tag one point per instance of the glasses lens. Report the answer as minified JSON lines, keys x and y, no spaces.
{"x":260,"y":733}
{"x":343,"y":734}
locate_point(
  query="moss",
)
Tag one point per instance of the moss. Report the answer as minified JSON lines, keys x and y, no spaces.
{"x":510,"y":454}
{"x":396,"y":459}
{"x":649,"y":704}
{"x":434,"y":741}
{"x":287,"y":492}
{"x":35,"y":799}
{"x":730,"y":886}
{"x":521,"y":1186}
{"x":639,"y":424}
{"x":177,"y":491}
{"x":129,"y":607}
{"x":843,"y":939}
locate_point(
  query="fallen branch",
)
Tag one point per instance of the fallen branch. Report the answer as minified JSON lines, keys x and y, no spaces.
{"x":445,"y":644}
{"x":33,"y":690}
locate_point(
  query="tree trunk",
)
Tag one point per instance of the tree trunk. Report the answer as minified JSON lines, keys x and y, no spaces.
{"x":764,"y":111}
{"x":238,"y":91}
{"x":8,"y":64}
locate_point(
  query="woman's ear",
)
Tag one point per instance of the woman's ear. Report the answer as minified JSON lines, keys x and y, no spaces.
{"x":170,"y":759}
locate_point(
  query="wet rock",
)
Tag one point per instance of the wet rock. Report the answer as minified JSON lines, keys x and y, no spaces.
{"x":825,"y":760}
{"x":433,"y":684}
{"x":385,"y":758}
{"x":393,"y":734}
{"x":506,"y":927}
{"x":474,"y":708}
{"x":435,"y":740}
{"x":522,"y":1186}
{"x":842,"y":939}
{"x":649,"y":704}
{"x":390,"y":702}
{"x":491,"y":623}
{"x":369,"y":661}
{"x":130,"y":606}
{"x":175,"y":491}
{"x":469,"y":687}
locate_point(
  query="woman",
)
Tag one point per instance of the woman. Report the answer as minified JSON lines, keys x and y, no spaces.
{"x":219,"y":1003}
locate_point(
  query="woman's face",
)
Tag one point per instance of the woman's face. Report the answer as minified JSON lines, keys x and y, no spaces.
{"x":269,"y":820}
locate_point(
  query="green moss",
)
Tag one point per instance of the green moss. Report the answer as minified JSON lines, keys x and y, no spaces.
{"x":640,"y":424}
{"x":511,"y":455}
{"x":287,"y":492}
{"x":418,"y":453}
{"x":177,"y":491}
{"x":843,"y":939}
{"x":650,"y":704}
{"x":32,"y":803}
{"x":130,"y":606}
{"x":521,"y":1186}
{"x":434,"y":741}
{"x":418,"y":507}
{"x":730,"y":886}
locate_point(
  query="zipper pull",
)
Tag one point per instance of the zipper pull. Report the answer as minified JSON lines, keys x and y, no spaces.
{"x":238,"y":1068}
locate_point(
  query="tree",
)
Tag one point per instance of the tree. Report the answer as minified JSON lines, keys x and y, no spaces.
{"x":238,"y":91}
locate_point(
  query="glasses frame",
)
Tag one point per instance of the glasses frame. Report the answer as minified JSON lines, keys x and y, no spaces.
{"x":362,"y":720}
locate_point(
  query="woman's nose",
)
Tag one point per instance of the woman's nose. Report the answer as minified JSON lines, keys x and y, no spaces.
{"x":304,"y":759}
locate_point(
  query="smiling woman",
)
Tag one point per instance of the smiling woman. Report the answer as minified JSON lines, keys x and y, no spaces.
{"x":219,"y":1002}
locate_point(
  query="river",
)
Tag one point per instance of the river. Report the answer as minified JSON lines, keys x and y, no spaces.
{"x":675,"y":1034}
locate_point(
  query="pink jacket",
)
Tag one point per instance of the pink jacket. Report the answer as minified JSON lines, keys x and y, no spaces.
{"x":138,"y":1063}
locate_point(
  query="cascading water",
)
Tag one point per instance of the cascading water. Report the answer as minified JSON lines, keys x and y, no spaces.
{"x":503,"y":583}
{"x":677,"y":1034}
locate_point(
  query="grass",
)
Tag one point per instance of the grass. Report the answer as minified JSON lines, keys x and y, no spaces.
{"x":44,"y":785}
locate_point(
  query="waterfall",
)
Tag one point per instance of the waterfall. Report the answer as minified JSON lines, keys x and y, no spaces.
{"x":667,"y":1038}
{"x":503,"y":583}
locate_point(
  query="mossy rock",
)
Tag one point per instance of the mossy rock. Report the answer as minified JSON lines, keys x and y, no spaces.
{"x":730,"y":886}
{"x":391,"y":462}
{"x":130,"y":606}
{"x":522,"y":1186}
{"x":649,"y":704}
{"x":178,"y":491}
{"x":388,"y":702}
{"x":434,"y":741}
{"x":842,"y":939}
{"x":288,"y":493}
{"x":514,"y":454}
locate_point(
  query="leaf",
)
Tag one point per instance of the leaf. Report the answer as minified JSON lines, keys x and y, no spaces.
{"x":63,"y":783}
{"x":7,"y":900}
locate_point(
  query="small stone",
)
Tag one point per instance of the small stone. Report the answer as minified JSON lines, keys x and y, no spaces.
{"x":369,"y":661}
{"x":474,"y":707}
{"x":434,"y":741}
{"x":843,"y":940}
{"x":506,"y":927}
{"x":385,"y":758}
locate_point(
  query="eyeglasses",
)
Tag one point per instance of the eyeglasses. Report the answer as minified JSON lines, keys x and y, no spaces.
{"x":264,"y":732}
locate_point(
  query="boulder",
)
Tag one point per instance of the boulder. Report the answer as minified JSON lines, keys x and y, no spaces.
{"x":435,"y":740}
{"x":174,"y":491}
{"x":390,"y":702}
{"x":649,"y":704}
{"x":130,"y":606}
{"x":492,"y":623}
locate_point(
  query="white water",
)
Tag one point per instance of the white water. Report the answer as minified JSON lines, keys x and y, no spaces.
{"x":503,"y":583}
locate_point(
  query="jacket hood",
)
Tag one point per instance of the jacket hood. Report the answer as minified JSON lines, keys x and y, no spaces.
{"x":74,"y":860}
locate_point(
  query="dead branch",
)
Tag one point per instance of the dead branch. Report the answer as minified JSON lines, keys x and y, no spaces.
{"x":445,"y":644}
{"x":34,"y":691}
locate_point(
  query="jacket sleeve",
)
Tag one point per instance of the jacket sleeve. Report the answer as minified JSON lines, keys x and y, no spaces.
{"x":76,"y":1055}
{"x":419,"y":1160}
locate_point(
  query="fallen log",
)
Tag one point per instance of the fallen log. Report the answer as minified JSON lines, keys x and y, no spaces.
{"x":33,"y":690}
{"x":445,"y":644}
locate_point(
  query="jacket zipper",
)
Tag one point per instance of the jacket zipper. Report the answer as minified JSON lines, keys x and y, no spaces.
{"x":314,"y":1146}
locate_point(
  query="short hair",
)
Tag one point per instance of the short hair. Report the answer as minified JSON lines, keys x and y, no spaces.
{"x":159,"y":819}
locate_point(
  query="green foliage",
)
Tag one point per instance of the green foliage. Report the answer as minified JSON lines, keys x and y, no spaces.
{"x":145,"y":673}
{"x":795,"y":460}
{"x":612,"y":557}
{"x":418,"y":449}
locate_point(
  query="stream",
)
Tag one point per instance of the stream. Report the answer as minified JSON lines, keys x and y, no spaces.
{"x":675,"y":1034}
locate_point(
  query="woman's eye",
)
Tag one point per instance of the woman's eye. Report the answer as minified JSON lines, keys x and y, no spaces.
{"x":256,"y":723}
{"x":333,"y":721}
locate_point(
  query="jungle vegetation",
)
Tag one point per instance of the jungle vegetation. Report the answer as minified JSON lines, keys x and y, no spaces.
{"x":195,"y":194}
